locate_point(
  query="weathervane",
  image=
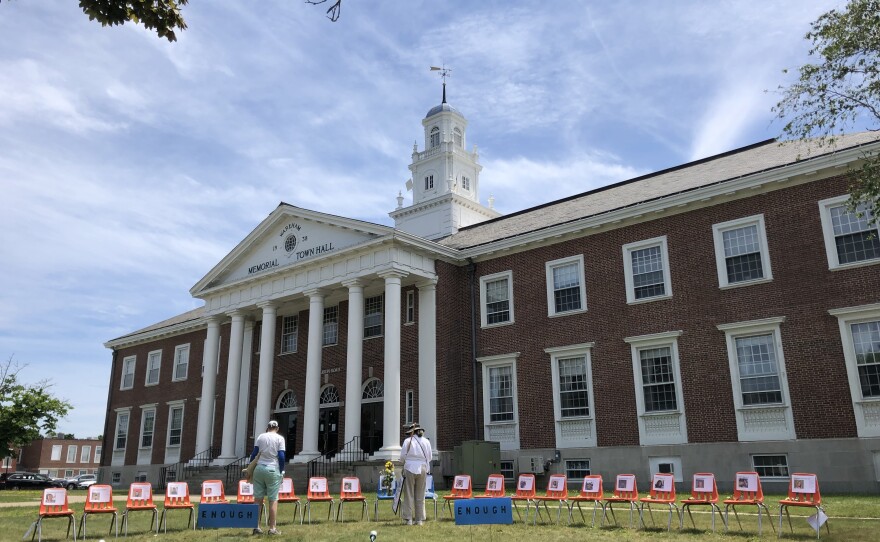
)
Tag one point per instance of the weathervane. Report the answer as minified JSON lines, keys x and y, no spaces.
{"x":444,"y":73}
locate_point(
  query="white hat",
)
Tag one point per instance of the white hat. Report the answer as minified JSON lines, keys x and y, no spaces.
{"x":273,"y":424}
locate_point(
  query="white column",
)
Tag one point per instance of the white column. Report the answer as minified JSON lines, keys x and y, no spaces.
{"x":354,"y":359}
{"x":391,"y":417}
{"x":233,"y":378}
{"x":209,"y":384}
{"x":428,"y":359}
{"x":244,"y":390}
{"x":311,"y":405}
{"x":267,"y":366}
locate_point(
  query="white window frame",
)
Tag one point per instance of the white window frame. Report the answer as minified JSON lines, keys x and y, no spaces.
{"x":582,"y":286}
{"x":71,"y":453}
{"x":97,"y":457}
{"x":410,"y":315}
{"x":144,"y":413}
{"x":329,"y":335}
{"x":629,"y":278}
{"x":573,"y":431}
{"x":121,"y":429}
{"x":828,"y":233}
{"x":867,"y":410}
{"x":153,"y":357}
{"x":492,"y":278}
{"x":380,"y":312}
{"x":129,"y":365}
{"x":181,"y":353}
{"x":506,"y":432}
{"x":294,"y":334}
{"x":85,"y":453}
{"x":759,"y":422}
{"x":56,"y":452}
{"x":171,"y":408}
{"x":576,"y":481}
{"x":409,"y":407}
{"x":658,"y":427}
{"x":721,"y":260}
{"x":655,"y":462}
{"x":768,"y":477}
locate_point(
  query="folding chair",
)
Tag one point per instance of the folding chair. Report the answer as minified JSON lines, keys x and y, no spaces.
{"x":140,"y":499}
{"x":99,"y":500}
{"x":212,"y":492}
{"x":461,"y":489}
{"x":803,"y":491}
{"x":387,"y":494}
{"x":245,"y":495}
{"x":746,"y":490}
{"x":557,"y":491}
{"x":350,"y":491}
{"x":287,"y":495}
{"x":54,"y":505}
{"x":177,"y":498}
{"x":625,"y":491}
{"x":525,"y":491}
{"x":494,"y":487}
{"x":704,"y":492}
{"x":662,"y":492}
{"x":431,"y":493}
{"x":318,"y":491}
{"x":591,"y":491}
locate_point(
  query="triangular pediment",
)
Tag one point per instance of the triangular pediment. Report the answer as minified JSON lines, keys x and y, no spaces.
{"x":289,"y":237}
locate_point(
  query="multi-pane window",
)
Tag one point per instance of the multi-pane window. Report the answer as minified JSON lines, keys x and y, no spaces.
{"x":429,"y":182}
{"x":770,"y":466}
{"x":410,"y":307}
{"x":758,"y":370}
{"x":565,"y":285}
{"x":71,"y":454}
{"x":148,"y":424}
{"x":56,"y":452}
{"x":577,"y":469}
{"x":154,"y":362}
{"x":98,"y":450}
{"x":374,"y":315}
{"x":741,"y":251}
{"x":456,"y":135}
{"x":128,"y":365}
{"x":465,"y":183}
{"x":121,"y":430}
{"x":175,"y":425}
{"x":289,"y":328}
{"x":860,"y":337}
{"x":181,"y":362}
{"x":866,"y":343}
{"x":497,"y":301}
{"x":850,"y":239}
{"x":501,"y":394}
{"x":85,"y":454}
{"x":573,"y":387}
{"x":658,"y":379}
{"x":505,"y":467}
{"x":331,"y":325}
{"x":410,"y":406}
{"x":435,"y":137}
{"x":646,"y":268}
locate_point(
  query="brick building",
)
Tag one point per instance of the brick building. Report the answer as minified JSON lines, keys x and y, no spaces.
{"x":717,"y":316}
{"x":61,"y":458}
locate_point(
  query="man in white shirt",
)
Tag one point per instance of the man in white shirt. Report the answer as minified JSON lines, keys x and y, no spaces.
{"x":416,"y":454}
{"x":269,"y":473}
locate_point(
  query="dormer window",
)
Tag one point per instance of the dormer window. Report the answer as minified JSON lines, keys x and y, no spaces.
{"x":435,"y":137}
{"x":456,"y":134}
{"x":429,"y":182}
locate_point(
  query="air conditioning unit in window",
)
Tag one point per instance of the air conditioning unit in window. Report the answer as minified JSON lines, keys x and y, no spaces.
{"x":531,"y":464}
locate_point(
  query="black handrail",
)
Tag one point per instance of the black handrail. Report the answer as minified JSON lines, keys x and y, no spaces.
{"x":336,"y":460}
{"x":233,"y":471}
{"x":180,"y":471}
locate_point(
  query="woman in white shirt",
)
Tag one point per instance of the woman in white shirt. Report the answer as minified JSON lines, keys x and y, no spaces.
{"x":416,"y":454}
{"x":269,"y":473}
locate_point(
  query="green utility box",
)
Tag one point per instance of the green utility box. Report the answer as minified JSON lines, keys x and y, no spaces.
{"x":479,"y":458}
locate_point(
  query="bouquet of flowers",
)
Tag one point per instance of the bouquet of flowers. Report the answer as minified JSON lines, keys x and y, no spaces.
{"x":388,"y":473}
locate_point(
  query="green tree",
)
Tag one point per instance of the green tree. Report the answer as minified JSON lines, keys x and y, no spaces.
{"x":840,"y":90}
{"x":26,"y":410}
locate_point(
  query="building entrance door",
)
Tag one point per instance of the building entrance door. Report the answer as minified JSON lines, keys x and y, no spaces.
{"x":372,"y":416}
{"x":287,"y":423}
{"x":328,"y":431}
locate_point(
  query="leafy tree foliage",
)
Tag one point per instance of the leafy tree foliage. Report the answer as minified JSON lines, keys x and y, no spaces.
{"x":163,"y":16}
{"x":841,"y":90}
{"x":26,"y":411}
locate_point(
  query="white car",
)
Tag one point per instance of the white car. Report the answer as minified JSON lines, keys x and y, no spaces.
{"x":80,"y":482}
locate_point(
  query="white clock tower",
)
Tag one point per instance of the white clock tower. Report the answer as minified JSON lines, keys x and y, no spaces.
{"x":445,"y":179}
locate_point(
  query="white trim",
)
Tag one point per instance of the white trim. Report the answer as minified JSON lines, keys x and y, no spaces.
{"x":144,"y":412}
{"x":171,"y":408}
{"x":825,"y":206}
{"x":759,"y":422}
{"x":721,"y":260}
{"x":157,"y":354}
{"x":666,"y":427}
{"x":56,"y":456}
{"x":582,"y":286}
{"x":866,"y":410}
{"x":125,"y":362}
{"x":628,"y":249}
{"x":580,"y":431}
{"x":508,"y":275}
{"x":177,"y":350}
{"x":655,"y":462}
{"x":506,"y":433}
{"x":72,"y":450}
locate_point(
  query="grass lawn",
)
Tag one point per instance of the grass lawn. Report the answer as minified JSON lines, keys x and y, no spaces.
{"x":854,"y":518}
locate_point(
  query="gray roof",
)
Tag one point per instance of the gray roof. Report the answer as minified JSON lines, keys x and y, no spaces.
{"x":442,"y":107}
{"x":763,"y":156}
{"x":192,"y":315}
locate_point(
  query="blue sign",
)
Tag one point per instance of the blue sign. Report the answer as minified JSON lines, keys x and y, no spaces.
{"x":216,"y":516}
{"x":483,"y":511}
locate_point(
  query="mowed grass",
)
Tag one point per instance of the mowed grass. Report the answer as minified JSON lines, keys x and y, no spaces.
{"x":854,"y":518}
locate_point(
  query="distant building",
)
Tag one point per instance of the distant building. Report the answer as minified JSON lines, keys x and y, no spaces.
{"x":8,"y":464}
{"x":61,"y":458}
{"x":720,"y":315}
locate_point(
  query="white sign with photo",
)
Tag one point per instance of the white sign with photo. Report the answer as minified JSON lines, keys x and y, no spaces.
{"x":704,"y":483}
{"x":245,"y":488}
{"x":662,"y":483}
{"x":557,"y":483}
{"x":212,"y":489}
{"x":803,"y":484}
{"x":526,"y":483}
{"x":287,"y":485}
{"x":99,"y":494}
{"x":318,"y":485}
{"x":54,"y":497}
{"x":626,"y":483}
{"x":747,"y":482}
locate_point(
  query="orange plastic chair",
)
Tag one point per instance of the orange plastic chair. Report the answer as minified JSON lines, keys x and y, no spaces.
{"x":350,"y":491}
{"x":318,"y":491}
{"x":803,"y":491}
{"x":662,"y":492}
{"x":557,"y":491}
{"x":140,"y":499}
{"x":245,"y":495}
{"x":99,"y":500}
{"x":54,"y":505}
{"x":212,"y":492}
{"x":494,"y":487}
{"x":177,"y":498}
{"x":625,"y":491}
{"x":746,"y":491}
{"x":461,"y":489}
{"x":525,"y":491}
{"x":704,"y":492}
{"x":591,"y":491}
{"x":287,"y":495}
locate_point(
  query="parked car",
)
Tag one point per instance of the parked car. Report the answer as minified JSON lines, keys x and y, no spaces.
{"x":82,"y":481}
{"x":30,"y":480}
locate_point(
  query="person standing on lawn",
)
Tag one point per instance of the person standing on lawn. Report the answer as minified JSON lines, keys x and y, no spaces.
{"x":416,"y":454}
{"x":269,"y":473}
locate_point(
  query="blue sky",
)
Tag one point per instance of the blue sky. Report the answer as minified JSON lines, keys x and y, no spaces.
{"x":129,"y":166}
